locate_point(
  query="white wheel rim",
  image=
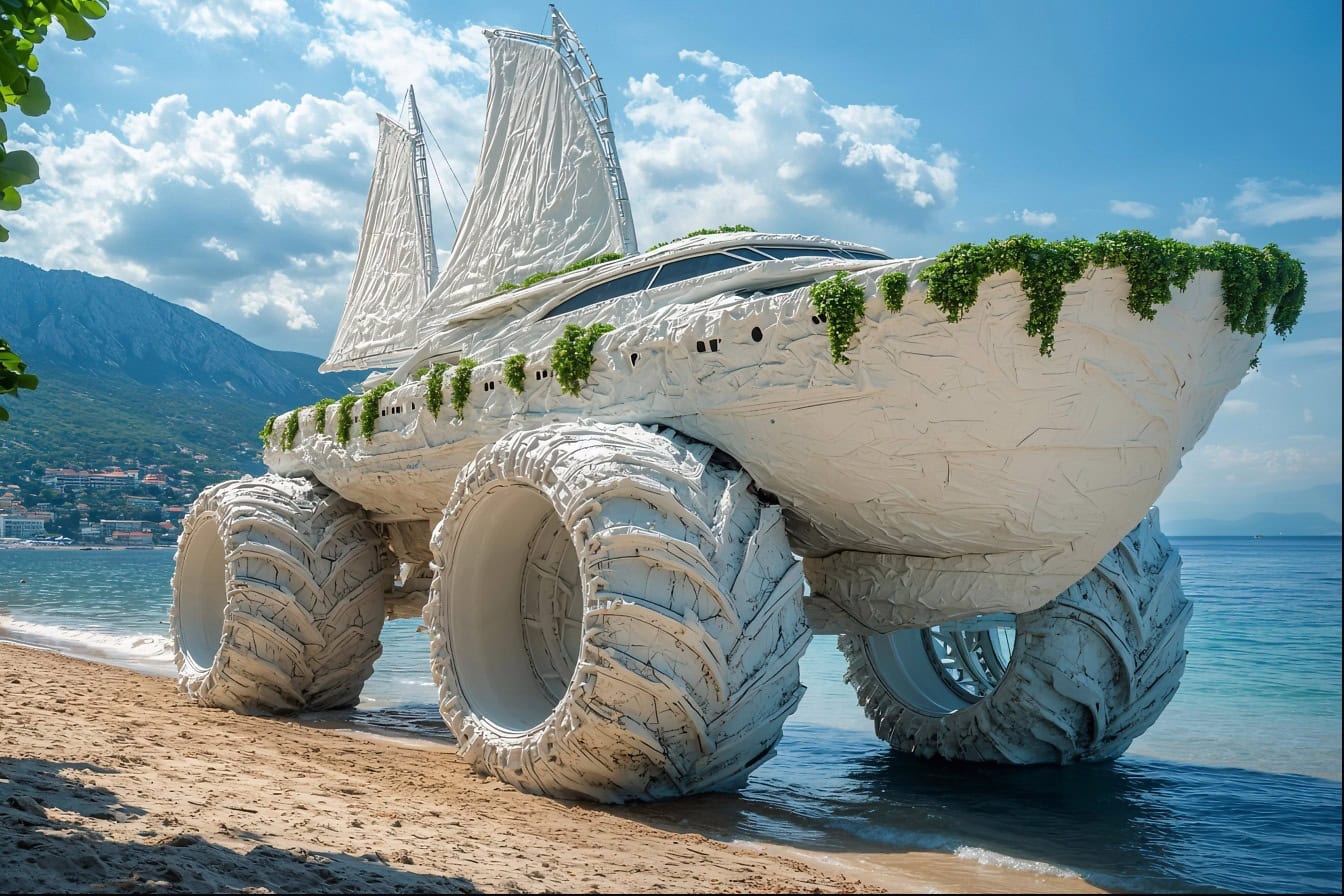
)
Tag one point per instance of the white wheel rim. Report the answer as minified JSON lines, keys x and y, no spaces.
{"x":940,"y":670}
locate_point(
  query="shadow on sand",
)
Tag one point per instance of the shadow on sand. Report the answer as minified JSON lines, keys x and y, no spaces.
{"x":48,"y":845}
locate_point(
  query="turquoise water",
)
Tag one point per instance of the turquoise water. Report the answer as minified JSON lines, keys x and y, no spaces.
{"x":1236,"y":788}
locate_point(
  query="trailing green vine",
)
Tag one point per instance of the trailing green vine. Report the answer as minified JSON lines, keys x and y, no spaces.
{"x":1254,"y":280}
{"x":345,"y":417}
{"x":533,"y":279}
{"x":515,"y":372}
{"x":706,"y":231}
{"x":839,"y":301}
{"x":266,"y":429}
{"x":291,"y":432}
{"x":572,"y":355}
{"x":368,"y":411}
{"x":320,"y":413}
{"x":892,"y":288}
{"x":434,"y":389}
{"x":462,"y":385}
{"x":420,"y":373}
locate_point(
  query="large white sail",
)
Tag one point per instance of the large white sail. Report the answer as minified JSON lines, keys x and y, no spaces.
{"x":548,"y":190}
{"x":390,"y":280}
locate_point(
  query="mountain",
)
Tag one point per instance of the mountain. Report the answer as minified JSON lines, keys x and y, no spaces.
{"x":1268,"y":524}
{"x":128,"y":378}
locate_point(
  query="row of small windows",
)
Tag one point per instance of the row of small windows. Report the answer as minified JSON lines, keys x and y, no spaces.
{"x":688,"y":268}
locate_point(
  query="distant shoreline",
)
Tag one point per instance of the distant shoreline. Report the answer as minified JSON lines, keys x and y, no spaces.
{"x":88,"y":547}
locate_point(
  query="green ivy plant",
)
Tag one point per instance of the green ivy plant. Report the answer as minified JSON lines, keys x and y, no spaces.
{"x":1254,"y":280}
{"x":266,"y":429}
{"x":706,"y":231}
{"x":572,"y":355}
{"x":345,"y":418}
{"x":891,"y":287}
{"x":839,"y":300}
{"x":434,"y":389}
{"x":533,"y":279}
{"x":291,"y":431}
{"x":368,"y":411}
{"x":462,"y":385}
{"x":515,"y":372}
{"x":320,"y":413}
{"x":13,"y":375}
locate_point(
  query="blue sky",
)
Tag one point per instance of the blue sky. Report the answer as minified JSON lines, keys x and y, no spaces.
{"x":217,"y":154}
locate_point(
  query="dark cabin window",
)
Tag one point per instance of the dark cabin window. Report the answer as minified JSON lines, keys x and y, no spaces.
{"x":782,"y":252}
{"x":748,"y":252}
{"x":869,"y":256}
{"x":602,"y":292}
{"x":687,"y":268}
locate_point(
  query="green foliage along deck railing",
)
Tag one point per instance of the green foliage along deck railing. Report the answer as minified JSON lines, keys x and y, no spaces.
{"x":533,"y":279}
{"x":839,"y":301}
{"x":462,"y":385}
{"x":1254,"y":280}
{"x":368,"y":412}
{"x":515,"y":372}
{"x":572,"y":355}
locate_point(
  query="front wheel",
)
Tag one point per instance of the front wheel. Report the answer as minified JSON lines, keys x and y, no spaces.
{"x":616,"y":615}
{"x":1075,"y":681}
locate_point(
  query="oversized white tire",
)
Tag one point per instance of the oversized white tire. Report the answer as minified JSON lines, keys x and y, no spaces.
{"x":616,"y":615}
{"x":277,"y":597}
{"x":1087,"y":673}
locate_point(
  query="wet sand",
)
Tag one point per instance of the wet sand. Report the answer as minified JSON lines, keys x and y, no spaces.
{"x":112,"y":781}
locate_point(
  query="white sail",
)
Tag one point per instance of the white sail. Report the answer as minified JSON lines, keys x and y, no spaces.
{"x":389,"y":283}
{"x":547,"y":192}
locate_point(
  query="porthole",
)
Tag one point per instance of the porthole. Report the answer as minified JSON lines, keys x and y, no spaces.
{"x":634,"y":358}
{"x":713,"y":345}
{"x":756,"y":334}
{"x":699,"y":345}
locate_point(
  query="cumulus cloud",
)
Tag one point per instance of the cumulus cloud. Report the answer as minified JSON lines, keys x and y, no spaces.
{"x":769,"y":151}
{"x":1279,"y":201}
{"x":1130,"y":209}
{"x":216,"y":21}
{"x":1199,"y":225}
{"x":1037,"y":219}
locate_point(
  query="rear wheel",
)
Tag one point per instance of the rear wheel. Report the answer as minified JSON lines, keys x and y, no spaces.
{"x":277,"y":597}
{"x":1075,"y":681}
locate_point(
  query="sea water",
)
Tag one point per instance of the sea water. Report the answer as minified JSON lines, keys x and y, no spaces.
{"x":1236,"y":788}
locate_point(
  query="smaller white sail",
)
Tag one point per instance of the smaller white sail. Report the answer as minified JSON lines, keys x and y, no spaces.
{"x":389,"y":283}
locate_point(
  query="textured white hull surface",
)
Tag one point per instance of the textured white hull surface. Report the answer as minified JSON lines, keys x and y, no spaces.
{"x":1000,"y":475}
{"x":682,"y":662}
{"x":277,"y":597}
{"x":1089,"y":672}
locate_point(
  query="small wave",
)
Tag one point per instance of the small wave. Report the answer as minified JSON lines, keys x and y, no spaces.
{"x":999,"y":860}
{"x":141,"y":647}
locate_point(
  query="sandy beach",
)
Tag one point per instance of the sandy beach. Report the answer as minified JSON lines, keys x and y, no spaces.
{"x":112,"y":781}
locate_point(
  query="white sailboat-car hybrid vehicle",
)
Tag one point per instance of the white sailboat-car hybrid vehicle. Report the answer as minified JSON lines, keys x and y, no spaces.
{"x":597,"y":484}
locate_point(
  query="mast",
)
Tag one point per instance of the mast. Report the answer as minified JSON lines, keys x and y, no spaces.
{"x":420,"y":161}
{"x":588,"y":85}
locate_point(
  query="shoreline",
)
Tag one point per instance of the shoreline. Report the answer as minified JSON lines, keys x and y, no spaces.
{"x":117,"y":780}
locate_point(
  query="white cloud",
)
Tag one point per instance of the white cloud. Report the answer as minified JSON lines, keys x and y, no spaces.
{"x":221,"y":247}
{"x":712,"y":61}
{"x":1278,"y":202}
{"x":1200,"y":226}
{"x":769,"y":151}
{"x":1239,"y":406}
{"x":125,"y":73}
{"x":1306,"y":415}
{"x":1038,"y":219}
{"x":215,"y":21}
{"x":284,"y":294}
{"x":1267,"y":462}
{"x":1328,"y":247}
{"x":1131,"y":209}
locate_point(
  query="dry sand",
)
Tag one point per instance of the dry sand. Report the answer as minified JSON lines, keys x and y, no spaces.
{"x":111,"y":781}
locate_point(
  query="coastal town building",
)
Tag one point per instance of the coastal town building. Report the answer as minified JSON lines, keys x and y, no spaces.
{"x":63,"y":479}
{"x":22,"y":527}
{"x":112,"y":527}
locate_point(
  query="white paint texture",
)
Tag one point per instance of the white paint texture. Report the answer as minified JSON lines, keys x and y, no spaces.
{"x":1090,"y":671}
{"x":1001,"y":476}
{"x":277,"y":597}
{"x":686,"y":664}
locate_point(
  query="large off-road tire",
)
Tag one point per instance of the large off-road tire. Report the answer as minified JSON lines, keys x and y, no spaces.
{"x":277,"y":597}
{"x":1087,"y":673}
{"x":616,"y":615}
